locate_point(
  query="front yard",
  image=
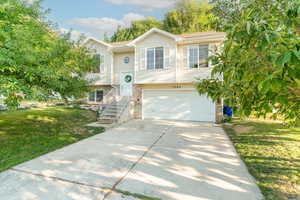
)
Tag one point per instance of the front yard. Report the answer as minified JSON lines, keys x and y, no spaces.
{"x":272,"y":153}
{"x":27,"y":134}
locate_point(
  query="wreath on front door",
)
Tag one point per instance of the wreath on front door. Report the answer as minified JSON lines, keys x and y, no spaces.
{"x":128,"y":78}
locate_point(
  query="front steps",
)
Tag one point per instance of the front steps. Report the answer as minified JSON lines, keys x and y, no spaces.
{"x":111,"y":113}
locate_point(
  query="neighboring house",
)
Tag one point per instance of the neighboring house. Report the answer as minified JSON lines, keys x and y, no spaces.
{"x":153,"y":76}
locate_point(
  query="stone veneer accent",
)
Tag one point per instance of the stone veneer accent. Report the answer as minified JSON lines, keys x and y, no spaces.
{"x":137,"y":102}
{"x":219,"y":112}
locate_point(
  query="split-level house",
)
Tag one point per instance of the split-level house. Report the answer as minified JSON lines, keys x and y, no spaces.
{"x":154,"y":76}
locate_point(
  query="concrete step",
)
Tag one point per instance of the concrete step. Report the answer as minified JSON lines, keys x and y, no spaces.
{"x":112,"y":108}
{"x":111,"y":111}
{"x":109,"y":116}
{"x":101,"y":121}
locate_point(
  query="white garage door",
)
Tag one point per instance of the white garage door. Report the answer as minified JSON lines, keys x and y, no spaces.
{"x":177,"y":105}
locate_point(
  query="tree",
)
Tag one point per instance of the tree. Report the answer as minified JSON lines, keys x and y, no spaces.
{"x":260,"y":61}
{"x":106,"y":38}
{"x":189,"y":16}
{"x":136,"y":29}
{"x":226,"y":11}
{"x":33,"y":57}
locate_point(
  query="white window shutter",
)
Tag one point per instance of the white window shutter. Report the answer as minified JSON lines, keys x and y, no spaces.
{"x":142,"y":54}
{"x":102,"y":64}
{"x":186,"y":57}
{"x":137,"y":61}
{"x":167,"y":63}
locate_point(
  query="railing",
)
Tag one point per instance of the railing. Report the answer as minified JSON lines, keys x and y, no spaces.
{"x":124,"y":103}
{"x":108,"y":99}
{"x":112,"y":99}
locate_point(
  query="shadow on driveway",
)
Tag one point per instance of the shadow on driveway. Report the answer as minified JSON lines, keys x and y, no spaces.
{"x":164,"y":159}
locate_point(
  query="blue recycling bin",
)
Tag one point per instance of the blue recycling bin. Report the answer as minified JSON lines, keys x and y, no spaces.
{"x":227,"y":110}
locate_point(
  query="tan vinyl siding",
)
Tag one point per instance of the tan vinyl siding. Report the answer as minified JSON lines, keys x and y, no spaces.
{"x":120,"y":66}
{"x":166,"y":75}
{"x":103,"y":78}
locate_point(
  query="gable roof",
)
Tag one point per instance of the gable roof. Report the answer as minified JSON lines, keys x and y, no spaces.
{"x":118,"y":44}
{"x":153,"y":30}
{"x":199,"y":34}
{"x":180,"y":37}
{"x":95,"y":40}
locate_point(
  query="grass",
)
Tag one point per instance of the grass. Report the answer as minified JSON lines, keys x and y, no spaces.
{"x":139,"y":196}
{"x":26,"y":134}
{"x":272,"y":153}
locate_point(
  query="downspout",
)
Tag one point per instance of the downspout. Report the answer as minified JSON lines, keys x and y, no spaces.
{"x":112,"y":80}
{"x":135,"y":65}
{"x":176,"y":65}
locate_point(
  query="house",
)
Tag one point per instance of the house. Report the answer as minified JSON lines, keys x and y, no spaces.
{"x":153,"y":77}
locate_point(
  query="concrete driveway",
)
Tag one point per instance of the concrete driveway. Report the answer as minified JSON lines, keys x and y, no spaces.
{"x":162,"y":159}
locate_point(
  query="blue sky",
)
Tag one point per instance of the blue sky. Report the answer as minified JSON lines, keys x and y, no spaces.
{"x":96,"y":17}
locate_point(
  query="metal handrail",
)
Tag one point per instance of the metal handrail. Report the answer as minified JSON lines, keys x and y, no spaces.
{"x":126,"y":104}
{"x":110,"y":94}
{"x":111,"y":98}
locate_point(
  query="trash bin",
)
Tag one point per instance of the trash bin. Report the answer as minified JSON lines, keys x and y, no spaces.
{"x":227,"y":110}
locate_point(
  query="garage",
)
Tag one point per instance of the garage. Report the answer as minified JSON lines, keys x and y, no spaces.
{"x":177,"y":104}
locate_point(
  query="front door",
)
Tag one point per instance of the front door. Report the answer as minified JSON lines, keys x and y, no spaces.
{"x":126,"y":84}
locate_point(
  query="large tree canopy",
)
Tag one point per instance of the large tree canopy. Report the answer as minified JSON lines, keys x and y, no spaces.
{"x":260,"y":61}
{"x":226,"y":11}
{"x":136,"y":29}
{"x":189,"y":16}
{"x":33,"y":57}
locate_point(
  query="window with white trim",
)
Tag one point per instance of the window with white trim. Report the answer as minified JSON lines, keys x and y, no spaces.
{"x":198,"y":55}
{"x":99,"y":59}
{"x":96,"y":96}
{"x":155,"y":58}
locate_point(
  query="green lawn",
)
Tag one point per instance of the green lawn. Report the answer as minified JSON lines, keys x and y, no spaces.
{"x":272,"y":153}
{"x":28,"y":134}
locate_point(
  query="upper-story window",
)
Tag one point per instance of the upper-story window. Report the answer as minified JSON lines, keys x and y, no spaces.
{"x":99,"y":63}
{"x":155,"y":58}
{"x":198,"y":55}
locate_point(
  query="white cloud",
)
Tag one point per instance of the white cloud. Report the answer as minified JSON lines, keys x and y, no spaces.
{"x":75,"y":35}
{"x":147,"y":5}
{"x":127,"y":19}
{"x":99,"y":26}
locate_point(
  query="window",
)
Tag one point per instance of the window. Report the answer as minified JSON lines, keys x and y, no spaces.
{"x":99,"y":66}
{"x":198,"y":55}
{"x":126,"y":60}
{"x":155,"y":58}
{"x":96,"y":96}
{"x":151,"y":58}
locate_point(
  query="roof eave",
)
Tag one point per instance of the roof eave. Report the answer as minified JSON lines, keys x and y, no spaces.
{"x":220,"y":37}
{"x":96,"y":40}
{"x":132,"y":43}
{"x":121,"y":48}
